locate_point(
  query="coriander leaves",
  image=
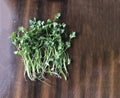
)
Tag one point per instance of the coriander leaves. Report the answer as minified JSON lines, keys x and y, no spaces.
{"x":43,"y":47}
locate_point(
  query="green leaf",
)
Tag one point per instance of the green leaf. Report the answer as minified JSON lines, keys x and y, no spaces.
{"x":55,"y":24}
{"x":72,"y":35}
{"x":49,"y":21}
{"x":42,"y":22}
{"x":13,"y":35}
{"x":57,"y":16}
{"x":63,"y":25}
{"x":69,"y":61}
{"x":39,"y":23}
{"x":21,"y":29}
{"x":68,"y":44}
{"x":30,"y":22}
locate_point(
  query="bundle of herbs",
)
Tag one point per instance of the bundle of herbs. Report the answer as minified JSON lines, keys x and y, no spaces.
{"x":43,"y":47}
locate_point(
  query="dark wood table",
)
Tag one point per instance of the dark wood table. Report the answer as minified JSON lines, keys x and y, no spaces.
{"x":95,"y":52}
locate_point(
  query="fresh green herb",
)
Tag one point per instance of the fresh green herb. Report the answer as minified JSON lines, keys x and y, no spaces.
{"x":43,"y":47}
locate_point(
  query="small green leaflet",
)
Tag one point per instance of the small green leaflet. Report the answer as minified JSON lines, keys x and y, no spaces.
{"x":72,"y":35}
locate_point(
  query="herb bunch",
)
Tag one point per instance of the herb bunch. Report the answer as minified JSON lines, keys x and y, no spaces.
{"x":43,"y":47}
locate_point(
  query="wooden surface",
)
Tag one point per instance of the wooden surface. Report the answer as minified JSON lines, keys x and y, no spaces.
{"x":95,"y":70}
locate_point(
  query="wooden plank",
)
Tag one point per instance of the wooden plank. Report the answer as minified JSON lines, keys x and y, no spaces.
{"x":95,"y":52}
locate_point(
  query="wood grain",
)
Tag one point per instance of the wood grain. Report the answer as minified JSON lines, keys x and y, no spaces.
{"x":95,"y":52}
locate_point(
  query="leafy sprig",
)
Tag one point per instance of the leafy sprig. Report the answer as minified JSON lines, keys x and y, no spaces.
{"x":43,"y":47}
